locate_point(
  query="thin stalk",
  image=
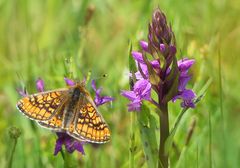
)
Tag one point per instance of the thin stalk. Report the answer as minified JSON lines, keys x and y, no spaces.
{"x":62,"y":154}
{"x":69,"y":161}
{"x":132,"y":141}
{"x":197,"y":156}
{"x":14,"y":134}
{"x":210,"y":139}
{"x":12,"y":152}
{"x":164,"y":133}
{"x":221,"y":109}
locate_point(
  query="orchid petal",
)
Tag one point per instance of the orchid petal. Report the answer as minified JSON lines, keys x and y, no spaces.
{"x":144,"y":45}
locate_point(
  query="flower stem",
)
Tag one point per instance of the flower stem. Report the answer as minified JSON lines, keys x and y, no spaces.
{"x":132,"y":142}
{"x":12,"y":152}
{"x":14,"y":133}
{"x":164,"y":133}
{"x":62,"y":154}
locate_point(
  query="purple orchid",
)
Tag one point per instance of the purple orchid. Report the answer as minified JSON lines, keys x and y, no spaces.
{"x":70,"y":144}
{"x":159,"y":71}
{"x":160,"y":75}
{"x":187,"y":96}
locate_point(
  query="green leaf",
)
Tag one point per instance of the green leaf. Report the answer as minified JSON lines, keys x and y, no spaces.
{"x":147,"y":127}
{"x":169,"y":140}
{"x":131,"y":61}
{"x":173,"y":80}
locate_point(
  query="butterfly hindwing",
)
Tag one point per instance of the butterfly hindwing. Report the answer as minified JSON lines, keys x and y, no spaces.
{"x":56,"y":122}
{"x":89,"y":124}
{"x":42,"y":106}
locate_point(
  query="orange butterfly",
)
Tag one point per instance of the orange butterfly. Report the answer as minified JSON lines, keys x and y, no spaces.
{"x":70,"y":110}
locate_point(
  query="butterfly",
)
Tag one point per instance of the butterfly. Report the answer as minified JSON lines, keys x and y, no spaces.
{"x":70,"y":110}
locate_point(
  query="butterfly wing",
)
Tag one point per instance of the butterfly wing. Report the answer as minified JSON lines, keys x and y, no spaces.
{"x":42,"y":106}
{"x":89,"y":124}
{"x":55,"y":123}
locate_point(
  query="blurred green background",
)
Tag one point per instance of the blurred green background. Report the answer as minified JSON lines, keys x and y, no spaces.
{"x":52,"y":39}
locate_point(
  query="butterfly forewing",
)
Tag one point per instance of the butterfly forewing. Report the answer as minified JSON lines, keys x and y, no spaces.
{"x":42,"y":106}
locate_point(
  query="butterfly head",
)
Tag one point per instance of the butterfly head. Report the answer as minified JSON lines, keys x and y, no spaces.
{"x":81,"y":86}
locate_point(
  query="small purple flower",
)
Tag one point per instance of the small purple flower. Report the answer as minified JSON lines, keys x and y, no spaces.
{"x":143,"y":75}
{"x":69,"y":82}
{"x":22,"y":92}
{"x":100,"y":100}
{"x":185,"y":64}
{"x":40,"y":85}
{"x":162,"y":47}
{"x":186,"y":95}
{"x":141,"y":91}
{"x":183,"y":80}
{"x":70,"y":144}
{"x":139,"y":59}
{"x":144,"y":45}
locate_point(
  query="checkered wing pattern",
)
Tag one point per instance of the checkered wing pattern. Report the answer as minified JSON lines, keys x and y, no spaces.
{"x":42,"y":106}
{"x":89,"y":124}
{"x":56,"y":121}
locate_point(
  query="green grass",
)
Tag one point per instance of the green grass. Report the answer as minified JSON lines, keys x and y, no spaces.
{"x":40,"y":38}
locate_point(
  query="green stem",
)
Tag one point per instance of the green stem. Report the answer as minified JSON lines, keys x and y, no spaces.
{"x":69,"y":161}
{"x":62,"y":154}
{"x":164,"y":133}
{"x":12,"y":152}
{"x":221,"y":110}
{"x":210,"y":139}
{"x":132,"y":141}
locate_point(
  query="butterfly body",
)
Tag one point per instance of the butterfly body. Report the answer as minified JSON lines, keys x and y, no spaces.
{"x":70,"y":110}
